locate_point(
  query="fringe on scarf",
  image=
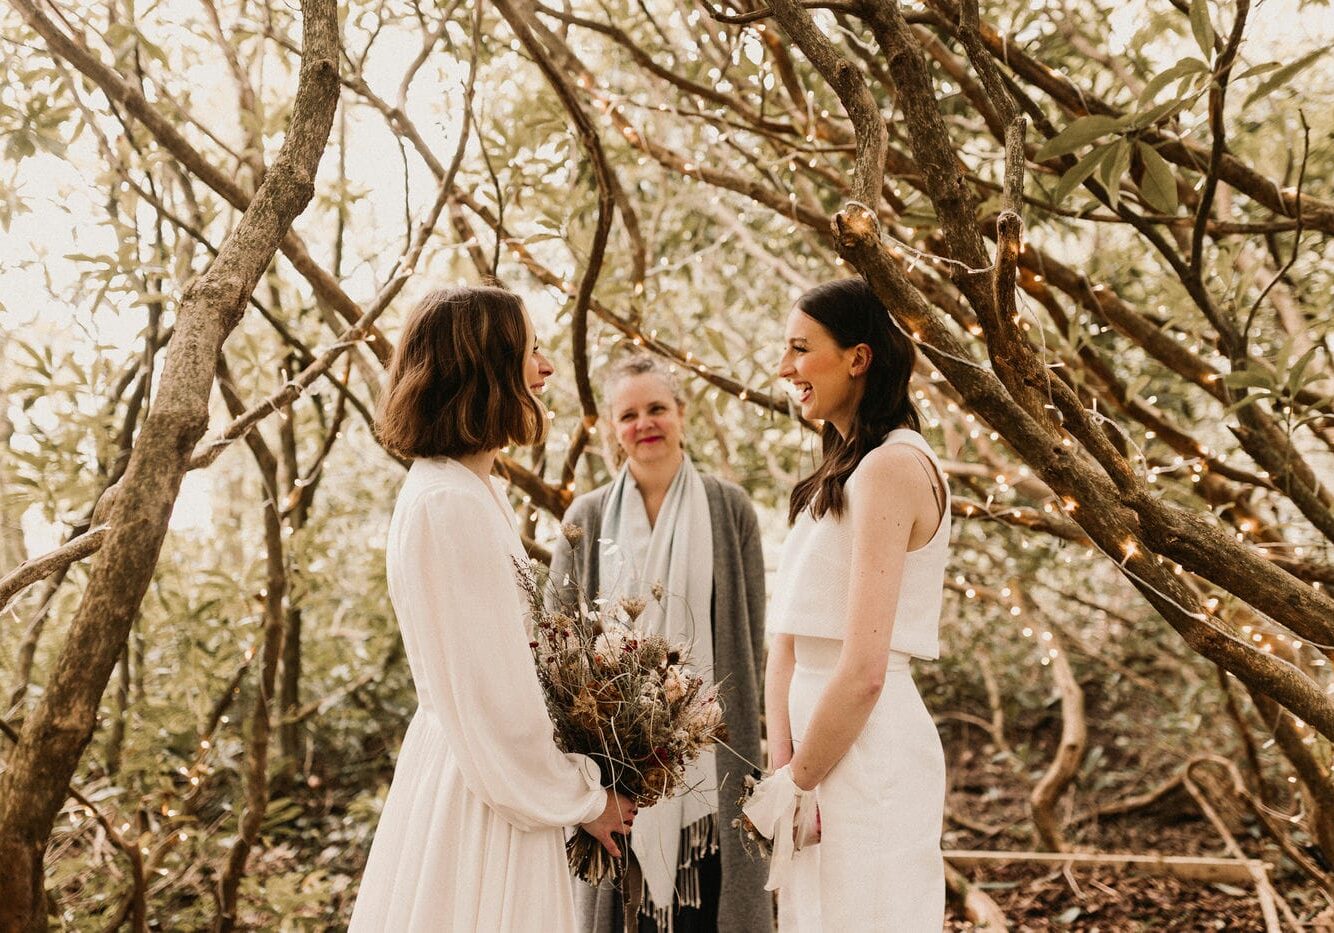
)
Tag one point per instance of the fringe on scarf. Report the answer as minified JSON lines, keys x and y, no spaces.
{"x":698,"y":840}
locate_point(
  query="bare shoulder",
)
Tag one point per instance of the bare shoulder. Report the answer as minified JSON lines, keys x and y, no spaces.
{"x":893,"y":469}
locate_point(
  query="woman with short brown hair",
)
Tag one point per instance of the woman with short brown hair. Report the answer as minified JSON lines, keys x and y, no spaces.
{"x":472,"y":833}
{"x":457,"y":381}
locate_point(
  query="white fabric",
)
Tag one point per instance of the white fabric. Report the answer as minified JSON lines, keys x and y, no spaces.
{"x":772,"y":809}
{"x":472,"y":833}
{"x":676,"y":551}
{"x":811,"y":588}
{"x":878,"y":865}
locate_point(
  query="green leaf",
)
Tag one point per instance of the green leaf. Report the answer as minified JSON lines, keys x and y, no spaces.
{"x":1295,"y":377}
{"x":1077,"y":135}
{"x":1187,"y":66}
{"x":1159,"y":186}
{"x":1081,"y":170}
{"x":1258,"y":70}
{"x":1282,"y":76}
{"x":1244,"y":402}
{"x":1247,"y":377}
{"x":718,"y":341}
{"x":153,"y":50}
{"x":1160,"y":112}
{"x":1202,"y":27}
{"x":1113,"y":167}
{"x":540,"y":237}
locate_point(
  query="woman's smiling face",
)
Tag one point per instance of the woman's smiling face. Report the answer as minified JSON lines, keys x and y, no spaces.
{"x":647,"y":419}
{"x":822,"y":373}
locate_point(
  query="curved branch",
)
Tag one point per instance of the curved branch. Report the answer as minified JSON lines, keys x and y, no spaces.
{"x":1217,"y":102}
{"x":1078,"y":101}
{"x":1123,"y":523}
{"x":753,"y":16}
{"x":293,"y":388}
{"x":852,"y":91}
{"x":169,"y":137}
{"x":537,"y":39}
{"x":38,"y":568}
{"x":1065,"y":764}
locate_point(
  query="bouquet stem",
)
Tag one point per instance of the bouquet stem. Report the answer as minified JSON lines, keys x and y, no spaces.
{"x":590,"y":862}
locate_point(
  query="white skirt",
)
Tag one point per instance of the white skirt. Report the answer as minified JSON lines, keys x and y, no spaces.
{"x":444,"y":862}
{"x":878,"y":864}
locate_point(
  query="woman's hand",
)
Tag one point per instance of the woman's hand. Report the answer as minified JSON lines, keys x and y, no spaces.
{"x":617,"y":817}
{"x":780,"y":753}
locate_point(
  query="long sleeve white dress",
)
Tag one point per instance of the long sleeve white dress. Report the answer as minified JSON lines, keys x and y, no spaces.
{"x":471,"y":837}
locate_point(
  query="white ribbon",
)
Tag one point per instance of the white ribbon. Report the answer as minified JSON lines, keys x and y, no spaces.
{"x":772,"y":807}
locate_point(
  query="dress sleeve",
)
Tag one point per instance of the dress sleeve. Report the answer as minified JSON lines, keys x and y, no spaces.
{"x":459,"y":607}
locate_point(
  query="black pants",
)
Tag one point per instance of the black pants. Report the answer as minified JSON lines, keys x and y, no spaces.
{"x":701,"y":919}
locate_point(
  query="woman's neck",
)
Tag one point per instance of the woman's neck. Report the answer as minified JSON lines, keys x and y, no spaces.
{"x":480,"y":462}
{"x":842,"y":420}
{"x":843,"y":425}
{"x":654,"y":478}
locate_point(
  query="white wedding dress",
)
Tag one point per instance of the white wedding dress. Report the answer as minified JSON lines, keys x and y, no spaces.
{"x":472,"y":833}
{"x":878,"y":865}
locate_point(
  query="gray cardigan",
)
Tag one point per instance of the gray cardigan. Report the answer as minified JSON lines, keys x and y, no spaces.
{"x":738,"y":654}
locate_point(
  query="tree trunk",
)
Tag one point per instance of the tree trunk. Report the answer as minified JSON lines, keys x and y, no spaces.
{"x":55,"y":735}
{"x":297,"y":508}
{"x":116,"y":735}
{"x":12,"y":551}
{"x":250,"y":814}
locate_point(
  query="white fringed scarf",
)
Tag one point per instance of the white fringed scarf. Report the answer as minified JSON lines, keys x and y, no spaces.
{"x":677,"y":551}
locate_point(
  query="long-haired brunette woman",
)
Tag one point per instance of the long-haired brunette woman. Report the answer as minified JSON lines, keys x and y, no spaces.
{"x":861,"y":772}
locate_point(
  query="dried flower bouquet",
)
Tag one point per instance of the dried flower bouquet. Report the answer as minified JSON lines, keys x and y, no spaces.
{"x":626,"y":698}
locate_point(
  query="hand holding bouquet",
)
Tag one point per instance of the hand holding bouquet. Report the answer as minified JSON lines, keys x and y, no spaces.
{"x":626,"y":698}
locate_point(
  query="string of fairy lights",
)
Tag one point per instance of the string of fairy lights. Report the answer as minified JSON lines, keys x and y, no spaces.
{"x":1193,"y":467}
{"x":1265,"y":634}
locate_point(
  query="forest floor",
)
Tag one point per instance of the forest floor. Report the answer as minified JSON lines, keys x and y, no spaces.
{"x":989,"y":791}
{"x":1111,"y":901}
{"x":304,"y":875}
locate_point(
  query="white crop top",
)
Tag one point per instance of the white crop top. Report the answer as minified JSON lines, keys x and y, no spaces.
{"x":811,"y":588}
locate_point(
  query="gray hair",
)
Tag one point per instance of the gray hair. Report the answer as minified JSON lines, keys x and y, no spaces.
{"x":643,"y":364}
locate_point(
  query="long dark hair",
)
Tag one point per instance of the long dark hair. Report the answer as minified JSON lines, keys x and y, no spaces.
{"x":850,"y":311}
{"x":456,"y":382}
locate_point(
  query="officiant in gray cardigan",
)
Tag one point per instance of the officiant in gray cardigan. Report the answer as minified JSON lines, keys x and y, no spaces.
{"x":660,"y":521}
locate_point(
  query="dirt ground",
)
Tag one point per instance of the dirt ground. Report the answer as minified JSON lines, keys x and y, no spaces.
{"x":1109,"y":901}
{"x":989,"y":795}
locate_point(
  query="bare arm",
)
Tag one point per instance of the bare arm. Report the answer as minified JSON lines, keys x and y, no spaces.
{"x":777,"y":678}
{"x":893,"y":492}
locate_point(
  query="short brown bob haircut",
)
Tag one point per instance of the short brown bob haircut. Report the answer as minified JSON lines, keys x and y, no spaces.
{"x":456,"y":382}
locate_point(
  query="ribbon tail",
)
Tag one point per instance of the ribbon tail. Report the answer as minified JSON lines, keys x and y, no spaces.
{"x":772,"y":807}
